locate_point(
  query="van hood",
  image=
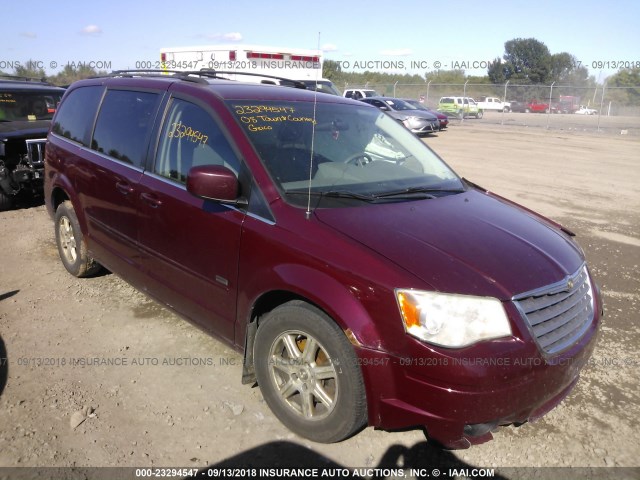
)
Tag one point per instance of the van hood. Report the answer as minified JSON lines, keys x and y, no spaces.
{"x":25,"y":128}
{"x":469,"y":243}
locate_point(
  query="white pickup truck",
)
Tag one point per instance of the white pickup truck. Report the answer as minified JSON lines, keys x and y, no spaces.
{"x":493,"y":103}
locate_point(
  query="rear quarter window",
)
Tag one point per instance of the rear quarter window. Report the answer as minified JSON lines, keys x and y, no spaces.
{"x":74,"y":119}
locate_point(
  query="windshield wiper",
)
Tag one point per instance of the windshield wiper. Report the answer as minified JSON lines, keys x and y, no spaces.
{"x":427,"y":192}
{"x":334,"y":194}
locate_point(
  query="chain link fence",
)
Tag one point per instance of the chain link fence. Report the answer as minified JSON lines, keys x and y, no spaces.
{"x":614,"y":108}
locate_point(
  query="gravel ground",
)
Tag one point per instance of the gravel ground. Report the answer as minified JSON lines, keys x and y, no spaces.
{"x":94,"y":374}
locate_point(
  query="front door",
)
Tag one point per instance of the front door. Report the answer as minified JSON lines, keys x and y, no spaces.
{"x":189,"y":246}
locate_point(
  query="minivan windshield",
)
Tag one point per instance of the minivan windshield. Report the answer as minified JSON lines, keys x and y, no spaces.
{"x":359,"y":153}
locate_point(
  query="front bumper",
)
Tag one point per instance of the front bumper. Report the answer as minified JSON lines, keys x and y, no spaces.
{"x":424,"y":128}
{"x":458,"y":398}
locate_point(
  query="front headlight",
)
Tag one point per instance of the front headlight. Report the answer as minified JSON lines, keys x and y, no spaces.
{"x":412,"y":121}
{"x":450,"y":320}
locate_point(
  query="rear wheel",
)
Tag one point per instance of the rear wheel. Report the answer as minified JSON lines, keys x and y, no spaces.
{"x":308,"y":373}
{"x":71,"y":245}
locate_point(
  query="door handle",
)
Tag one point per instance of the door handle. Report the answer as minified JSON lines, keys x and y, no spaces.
{"x":124,"y":188}
{"x":152,"y":200}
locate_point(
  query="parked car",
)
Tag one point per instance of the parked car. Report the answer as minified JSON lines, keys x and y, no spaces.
{"x":442,"y":118}
{"x":518,"y":107}
{"x":459,"y":107}
{"x":583,"y":110}
{"x":364,"y":281}
{"x":418,"y":121}
{"x":493,"y":103}
{"x":540,"y":107}
{"x":26,"y":108}
{"x":359,"y":93}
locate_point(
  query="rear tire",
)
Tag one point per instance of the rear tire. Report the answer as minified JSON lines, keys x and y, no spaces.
{"x":308,"y":373}
{"x":71,"y":245}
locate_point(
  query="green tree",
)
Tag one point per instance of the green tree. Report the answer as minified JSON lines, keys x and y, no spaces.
{"x":70,"y":74}
{"x":28,"y":69}
{"x":446,"y":76}
{"x":331,"y":70}
{"x":527,"y":61}
{"x":562,"y":66}
{"x":498,"y":71}
{"x":624,"y":87}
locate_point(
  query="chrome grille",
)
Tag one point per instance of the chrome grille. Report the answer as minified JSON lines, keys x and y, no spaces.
{"x":35,"y":152}
{"x":559,"y":314}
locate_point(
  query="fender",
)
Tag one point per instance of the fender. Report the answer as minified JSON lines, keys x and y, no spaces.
{"x":62,"y":183}
{"x":318,"y":288}
{"x":327,"y":293}
{"x":338,"y":301}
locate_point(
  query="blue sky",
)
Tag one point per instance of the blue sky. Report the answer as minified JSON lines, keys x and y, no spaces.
{"x":121,"y":33}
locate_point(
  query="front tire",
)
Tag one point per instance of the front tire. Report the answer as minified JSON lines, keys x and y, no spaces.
{"x":71,"y":245}
{"x":308,"y":373}
{"x":479,"y":114}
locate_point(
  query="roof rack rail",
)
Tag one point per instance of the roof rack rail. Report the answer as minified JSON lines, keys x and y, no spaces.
{"x":181,"y":74}
{"x":288,"y":81}
{"x":197,"y":75}
{"x":23,"y":78}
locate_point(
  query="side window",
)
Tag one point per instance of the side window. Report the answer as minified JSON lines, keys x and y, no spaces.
{"x":190,"y":137}
{"x":74,"y":119}
{"x":124,"y":124}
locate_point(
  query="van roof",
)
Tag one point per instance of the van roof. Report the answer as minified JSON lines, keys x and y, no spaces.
{"x":224,"y":88}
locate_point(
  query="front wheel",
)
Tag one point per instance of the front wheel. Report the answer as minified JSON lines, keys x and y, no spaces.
{"x":479,"y":114}
{"x":71,"y":245}
{"x":308,"y":373}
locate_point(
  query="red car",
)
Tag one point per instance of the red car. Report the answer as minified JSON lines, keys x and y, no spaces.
{"x":540,"y":107}
{"x":365,"y":282}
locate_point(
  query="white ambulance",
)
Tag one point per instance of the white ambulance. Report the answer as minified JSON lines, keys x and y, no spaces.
{"x":304,"y":65}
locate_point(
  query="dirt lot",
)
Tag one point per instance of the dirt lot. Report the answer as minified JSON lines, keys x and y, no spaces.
{"x":175,"y":399}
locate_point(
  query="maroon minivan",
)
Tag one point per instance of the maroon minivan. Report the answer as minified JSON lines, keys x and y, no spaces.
{"x":365,"y":282}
